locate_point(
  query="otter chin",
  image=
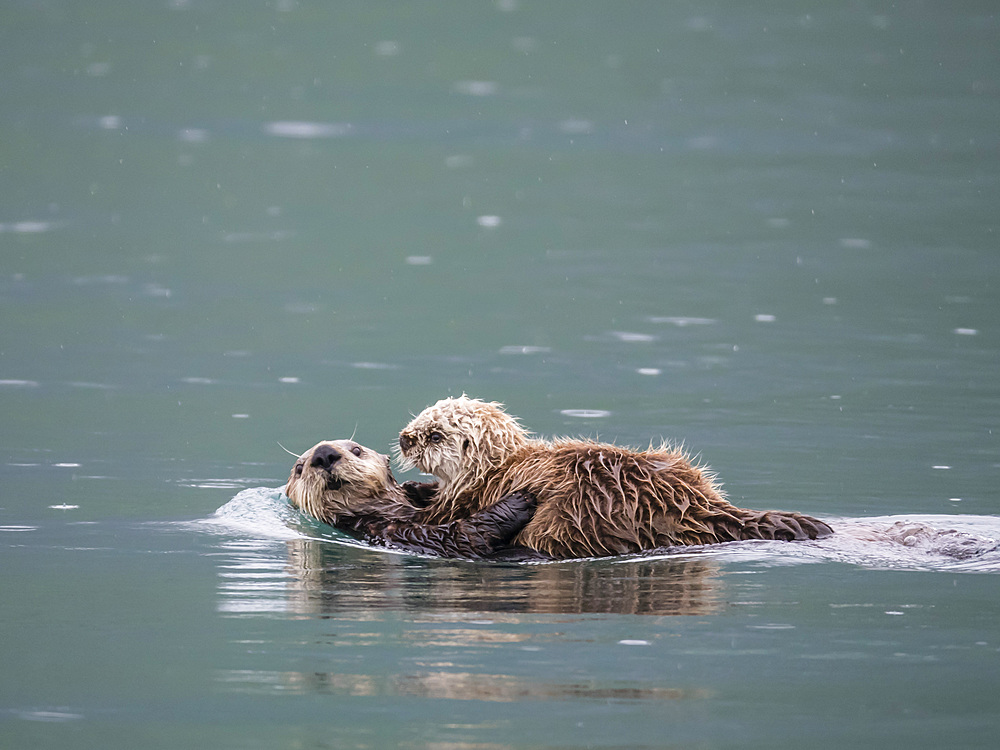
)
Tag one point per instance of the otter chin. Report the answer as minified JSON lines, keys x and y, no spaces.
{"x":344,"y":484}
{"x":594,"y":499}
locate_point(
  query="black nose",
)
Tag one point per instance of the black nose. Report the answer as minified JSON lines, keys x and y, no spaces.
{"x":324,"y":457}
{"x":405,"y":443}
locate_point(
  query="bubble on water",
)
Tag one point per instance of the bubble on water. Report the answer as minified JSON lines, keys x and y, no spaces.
{"x":855,"y":243}
{"x":477,"y":88}
{"x":288,"y":380}
{"x":524,"y":44}
{"x":649,"y":370}
{"x":681,"y":320}
{"x":241,"y":416}
{"x":966,"y":331}
{"x":213,"y":484}
{"x":374,"y":366}
{"x":386,"y":48}
{"x":48,"y":716}
{"x":67,"y":465}
{"x":27,"y":227}
{"x":765,"y":318}
{"x":519,"y":349}
{"x":64,"y":507}
{"x":302,"y":308}
{"x":110,"y":122}
{"x":98,"y":69}
{"x":19,"y":383}
{"x":193,"y":135}
{"x":419,"y":260}
{"x":585,"y":413}
{"x":456,"y":161}
{"x":633,"y":642}
{"x":490,"y":222}
{"x":100,"y":279}
{"x":294,"y":129}
{"x":576,"y":127}
{"x":155,"y":290}
{"x":629,"y":336}
{"x":702,"y":142}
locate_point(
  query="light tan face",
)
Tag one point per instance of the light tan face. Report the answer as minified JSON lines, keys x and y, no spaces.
{"x":433,"y":445}
{"x":458,"y":435}
{"x":337,"y":477}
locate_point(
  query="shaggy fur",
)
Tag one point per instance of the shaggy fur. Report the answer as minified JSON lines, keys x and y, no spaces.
{"x":594,"y":499}
{"x":349,"y":486}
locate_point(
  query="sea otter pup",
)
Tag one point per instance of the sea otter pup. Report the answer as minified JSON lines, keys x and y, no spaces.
{"x":594,"y":499}
{"x":351,"y":487}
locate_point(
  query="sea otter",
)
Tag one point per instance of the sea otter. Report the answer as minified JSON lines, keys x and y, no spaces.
{"x":351,"y":487}
{"x":594,"y":499}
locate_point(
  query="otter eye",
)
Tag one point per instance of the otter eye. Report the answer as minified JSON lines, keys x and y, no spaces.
{"x":356,"y":450}
{"x":298,"y":469}
{"x":436,"y":437}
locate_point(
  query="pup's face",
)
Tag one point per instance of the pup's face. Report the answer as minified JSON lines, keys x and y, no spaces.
{"x":338,"y":477}
{"x":455,"y":435}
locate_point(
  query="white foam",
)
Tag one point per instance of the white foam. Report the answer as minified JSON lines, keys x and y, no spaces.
{"x":958,"y":543}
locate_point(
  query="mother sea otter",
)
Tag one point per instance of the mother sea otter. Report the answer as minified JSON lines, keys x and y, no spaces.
{"x":351,"y":487}
{"x":594,"y":499}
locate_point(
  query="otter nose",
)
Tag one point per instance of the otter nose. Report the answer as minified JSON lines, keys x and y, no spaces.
{"x":405,"y":443}
{"x":324,"y":457}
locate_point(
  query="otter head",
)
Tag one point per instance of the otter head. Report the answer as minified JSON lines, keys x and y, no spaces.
{"x":459,"y":440}
{"x":339,"y":478}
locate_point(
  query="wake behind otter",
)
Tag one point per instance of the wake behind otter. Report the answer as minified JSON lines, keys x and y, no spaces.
{"x":946,"y":543}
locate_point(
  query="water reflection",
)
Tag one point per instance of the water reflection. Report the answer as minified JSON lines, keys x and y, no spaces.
{"x":465,"y":686}
{"x":324,"y":578}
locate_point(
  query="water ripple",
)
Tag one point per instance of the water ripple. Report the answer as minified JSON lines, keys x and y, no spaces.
{"x":902,"y":542}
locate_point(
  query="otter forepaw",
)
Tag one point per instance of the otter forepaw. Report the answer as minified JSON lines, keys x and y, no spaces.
{"x":419,"y":493}
{"x":503,"y":521}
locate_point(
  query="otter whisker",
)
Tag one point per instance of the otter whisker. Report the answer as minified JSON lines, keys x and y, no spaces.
{"x":287,"y":451}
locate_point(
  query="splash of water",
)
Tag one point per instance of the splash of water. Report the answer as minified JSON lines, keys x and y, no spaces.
{"x":918,"y":542}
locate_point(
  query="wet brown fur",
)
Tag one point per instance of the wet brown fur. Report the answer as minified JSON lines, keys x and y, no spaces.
{"x":351,"y":487}
{"x":594,"y":499}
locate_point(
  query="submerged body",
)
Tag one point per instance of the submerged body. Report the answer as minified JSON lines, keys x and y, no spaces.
{"x":351,"y":487}
{"x":594,"y":499}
